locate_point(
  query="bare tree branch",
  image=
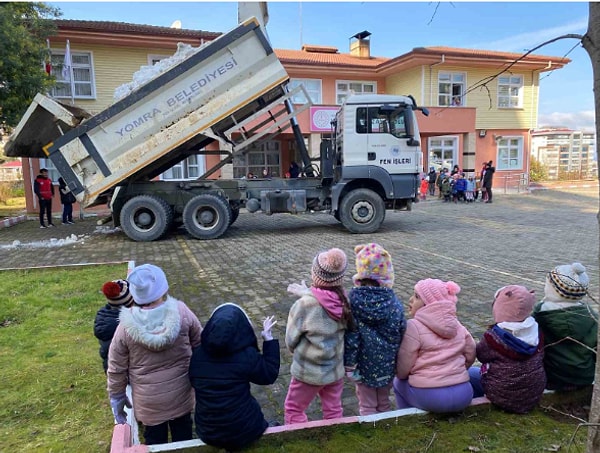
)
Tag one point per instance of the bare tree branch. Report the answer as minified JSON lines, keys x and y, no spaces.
{"x":574,"y":341}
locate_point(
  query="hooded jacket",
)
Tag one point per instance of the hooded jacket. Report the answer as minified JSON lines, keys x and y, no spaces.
{"x":566,"y":362}
{"x":513,"y":376}
{"x":221,"y":370}
{"x":315,"y":336}
{"x":436,"y":350}
{"x":105,"y":324}
{"x":43,"y":188}
{"x":152,"y":347}
{"x":380,"y":326}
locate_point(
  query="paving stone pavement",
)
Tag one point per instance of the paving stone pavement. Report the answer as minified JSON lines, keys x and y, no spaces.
{"x":482,"y":247}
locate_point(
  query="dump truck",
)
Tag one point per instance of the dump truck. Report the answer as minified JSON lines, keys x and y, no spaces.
{"x":233,"y":90}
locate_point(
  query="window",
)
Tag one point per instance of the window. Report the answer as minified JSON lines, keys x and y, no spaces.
{"x":53,"y":173}
{"x":451,"y":88}
{"x":510,"y":92}
{"x":346,"y":88}
{"x":82,"y":76}
{"x":442,"y":152}
{"x":190,"y":168}
{"x":312,"y":87}
{"x":261,"y":156}
{"x":372,"y":121}
{"x":510,"y":153}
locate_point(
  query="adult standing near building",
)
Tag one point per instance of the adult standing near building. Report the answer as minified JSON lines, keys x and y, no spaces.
{"x":431,"y":178}
{"x":43,"y":188}
{"x":488,"y":178}
{"x":67,"y":199}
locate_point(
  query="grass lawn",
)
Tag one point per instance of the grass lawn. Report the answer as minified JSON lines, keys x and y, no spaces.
{"x":13,"y":207}
{"x":53,"y":393}
{"x":53,"y":388}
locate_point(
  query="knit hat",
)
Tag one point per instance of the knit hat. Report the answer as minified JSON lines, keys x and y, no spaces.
{"x":512,"y":303}
{"x":433,"y":290}
{"x":569,"y":281}
{"x":374,"y":262}
{"x":147,"y":284}
{"x":117,"y":292}
{"x":328,"y":268}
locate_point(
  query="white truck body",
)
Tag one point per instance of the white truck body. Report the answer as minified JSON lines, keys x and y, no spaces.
{"x":233,"y":90}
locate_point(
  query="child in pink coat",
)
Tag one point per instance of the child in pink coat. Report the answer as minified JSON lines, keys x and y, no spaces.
{"x":436,"y":352}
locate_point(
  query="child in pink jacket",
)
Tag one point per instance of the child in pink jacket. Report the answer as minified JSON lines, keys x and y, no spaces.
{"x":436,"y":352}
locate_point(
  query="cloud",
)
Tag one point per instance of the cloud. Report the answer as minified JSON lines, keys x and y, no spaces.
{"x":517,"y":43}
{"x":583,"y":120}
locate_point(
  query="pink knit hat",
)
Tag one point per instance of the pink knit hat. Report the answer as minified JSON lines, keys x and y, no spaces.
{"x":513,"y":303}
{"x":433,"y":290}
{"x":328,"y":268}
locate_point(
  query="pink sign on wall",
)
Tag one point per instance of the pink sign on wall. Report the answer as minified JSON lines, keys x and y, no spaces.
{"x":321,"y":118}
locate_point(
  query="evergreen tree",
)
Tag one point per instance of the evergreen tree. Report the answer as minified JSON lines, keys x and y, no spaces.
{"x":24,"y":28}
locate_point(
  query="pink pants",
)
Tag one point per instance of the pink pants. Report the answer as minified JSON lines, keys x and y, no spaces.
{"x":373,"y":400}
{"x":300,"y":395}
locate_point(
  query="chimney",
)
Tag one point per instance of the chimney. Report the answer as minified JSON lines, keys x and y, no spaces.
{"x":360,"y":45}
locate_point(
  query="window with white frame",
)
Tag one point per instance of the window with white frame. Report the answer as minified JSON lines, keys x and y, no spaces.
{"x":344,"y":88}
{"x":442,"y":152}
{"x":451,"y":89}
{"x":261,"y":156}
{"x":510,"y":153}
{"x":83,"y":77}
{"x":189,"y":168}
{"x":312,"y":87}
{"x":53,"y":173}
{"x":510,"y":92}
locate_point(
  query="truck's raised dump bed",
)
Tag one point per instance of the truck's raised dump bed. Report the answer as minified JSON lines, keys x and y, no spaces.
{"x":195,"y":102}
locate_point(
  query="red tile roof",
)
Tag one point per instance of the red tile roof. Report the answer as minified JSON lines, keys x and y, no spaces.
{"x":327,"y":58}
{"x":475,"y":53}
{"x":125,"y":28}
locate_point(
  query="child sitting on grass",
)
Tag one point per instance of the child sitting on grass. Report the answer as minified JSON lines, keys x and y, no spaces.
{"x":511,"y":352}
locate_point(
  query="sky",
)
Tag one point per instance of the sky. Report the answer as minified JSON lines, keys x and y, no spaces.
{"x":566,"y":95}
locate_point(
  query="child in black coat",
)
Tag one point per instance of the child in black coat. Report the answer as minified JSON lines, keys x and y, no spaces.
{"x":221,"y":370}
{"x":117,"y":295}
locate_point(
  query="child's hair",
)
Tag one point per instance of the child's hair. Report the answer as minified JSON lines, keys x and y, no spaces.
{"x":367,"y":282}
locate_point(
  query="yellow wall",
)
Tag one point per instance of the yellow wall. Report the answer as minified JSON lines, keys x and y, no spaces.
{"x":421,"y":82}
{"x":408,"y":82}
{"x":486,"y":100}
{"x":113,"y":66}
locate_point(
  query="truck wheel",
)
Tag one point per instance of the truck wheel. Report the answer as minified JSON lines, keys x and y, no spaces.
{"x":146,"y":218}
{"x":206,"y":216}
{"x":235,"y":212}
{"x":362,"y":211}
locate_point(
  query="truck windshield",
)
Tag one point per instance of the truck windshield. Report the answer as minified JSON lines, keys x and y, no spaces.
{"x":373,"y":120}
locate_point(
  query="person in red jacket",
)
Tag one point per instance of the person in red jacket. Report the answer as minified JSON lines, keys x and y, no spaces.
{"x":44,"y":190}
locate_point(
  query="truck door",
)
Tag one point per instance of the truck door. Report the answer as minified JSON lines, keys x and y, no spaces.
{"x":387,"y":139}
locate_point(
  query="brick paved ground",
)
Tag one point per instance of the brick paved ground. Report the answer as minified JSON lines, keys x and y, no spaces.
{"x":480,"y":246}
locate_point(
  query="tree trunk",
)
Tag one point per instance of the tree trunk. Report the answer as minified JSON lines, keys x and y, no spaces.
{"x":591,"y":43}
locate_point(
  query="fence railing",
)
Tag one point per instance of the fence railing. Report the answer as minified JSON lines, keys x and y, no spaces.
{"x":515,"y":182}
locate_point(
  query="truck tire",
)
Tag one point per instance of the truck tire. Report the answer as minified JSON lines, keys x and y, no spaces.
{"x":362,"y":211}
{"x":206,"y":216}
{"x":146,"y":218}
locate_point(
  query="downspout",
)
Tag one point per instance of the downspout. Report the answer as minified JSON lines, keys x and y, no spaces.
{"x":443,"y":60}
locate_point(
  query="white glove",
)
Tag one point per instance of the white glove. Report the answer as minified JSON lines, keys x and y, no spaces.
{"x":298,"y":289}
{"x":268,"y":324}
